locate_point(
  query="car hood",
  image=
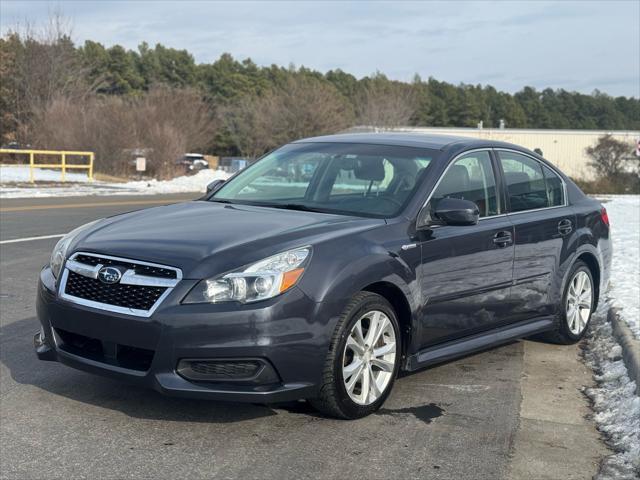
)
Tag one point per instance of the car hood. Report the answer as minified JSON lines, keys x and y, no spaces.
{"x":207,"y":238}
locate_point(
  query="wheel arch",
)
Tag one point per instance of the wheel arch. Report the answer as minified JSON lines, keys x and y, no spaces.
{"x":594,"y":267}
{"x":398,"y":300}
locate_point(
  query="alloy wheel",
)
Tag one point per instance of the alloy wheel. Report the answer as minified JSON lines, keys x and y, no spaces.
{"x":579,"y":302}
{"x":369,"y":357}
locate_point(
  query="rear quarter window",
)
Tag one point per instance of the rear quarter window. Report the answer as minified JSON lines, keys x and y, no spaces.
{"x":555,"y":189}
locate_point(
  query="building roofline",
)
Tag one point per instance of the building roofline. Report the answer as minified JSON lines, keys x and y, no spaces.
{"x":368,"y":129}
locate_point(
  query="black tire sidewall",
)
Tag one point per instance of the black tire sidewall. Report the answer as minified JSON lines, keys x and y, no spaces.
{"x":348,"y":406}
{"x":564,"y":324}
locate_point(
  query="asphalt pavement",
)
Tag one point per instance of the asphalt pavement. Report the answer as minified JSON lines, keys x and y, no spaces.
{"x":459,"y":420}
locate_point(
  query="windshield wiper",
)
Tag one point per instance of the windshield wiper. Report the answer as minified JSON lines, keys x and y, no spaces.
{"x":220,"y":200}
{"x":293,"y":206}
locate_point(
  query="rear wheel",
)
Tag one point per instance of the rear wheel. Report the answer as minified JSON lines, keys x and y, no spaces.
{"x":578,"y":301}
{"x":363,"y":359}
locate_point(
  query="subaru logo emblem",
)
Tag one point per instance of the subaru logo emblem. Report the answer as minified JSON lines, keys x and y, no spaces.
{"x":109,"y":275}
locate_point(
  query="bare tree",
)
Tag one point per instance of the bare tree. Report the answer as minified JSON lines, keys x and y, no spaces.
{"x":301,"y":106}
{"x":381,"y":103}
{"x":40,"y":66}
{"x":248,"y":124}
{"x":610,"y":157}
{"x":164,"y":123}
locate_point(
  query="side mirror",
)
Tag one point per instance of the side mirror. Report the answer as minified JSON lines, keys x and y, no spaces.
{"x":451,"y":211}
{"x":215,"y":185}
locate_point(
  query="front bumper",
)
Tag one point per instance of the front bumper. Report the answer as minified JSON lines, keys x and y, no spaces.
{"x":288,"y":336}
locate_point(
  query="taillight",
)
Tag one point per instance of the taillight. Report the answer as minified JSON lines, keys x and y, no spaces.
{"x":604,"y":216}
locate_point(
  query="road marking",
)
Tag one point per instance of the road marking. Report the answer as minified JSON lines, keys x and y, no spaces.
{"x":29,"y":239}
{"x":91,"y":205}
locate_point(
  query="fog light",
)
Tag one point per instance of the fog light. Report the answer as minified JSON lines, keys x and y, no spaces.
{"x":252,"y":371}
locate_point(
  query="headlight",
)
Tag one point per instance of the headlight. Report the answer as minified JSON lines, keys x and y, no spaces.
{"x":259,"y":281}
{"x":59,"y":253}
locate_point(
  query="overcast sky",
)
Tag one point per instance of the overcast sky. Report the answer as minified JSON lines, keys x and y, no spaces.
{"x":580,"y":45}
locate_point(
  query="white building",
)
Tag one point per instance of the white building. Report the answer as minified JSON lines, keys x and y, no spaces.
{"x":564,"y":148}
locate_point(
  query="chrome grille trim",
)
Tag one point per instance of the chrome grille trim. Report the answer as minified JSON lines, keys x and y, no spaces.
{"x":83,"y":269}
{"x":130,"y":277}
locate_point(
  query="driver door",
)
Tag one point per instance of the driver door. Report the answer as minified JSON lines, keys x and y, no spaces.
{"x":467,"y":271}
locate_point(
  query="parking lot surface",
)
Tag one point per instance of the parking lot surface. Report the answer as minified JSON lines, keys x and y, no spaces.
{"x":487,"y":416}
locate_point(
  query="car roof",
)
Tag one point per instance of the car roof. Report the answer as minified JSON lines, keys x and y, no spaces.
{"x":439,"y":142}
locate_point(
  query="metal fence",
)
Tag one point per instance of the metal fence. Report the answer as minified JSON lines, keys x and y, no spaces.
{"x":64,"y":165}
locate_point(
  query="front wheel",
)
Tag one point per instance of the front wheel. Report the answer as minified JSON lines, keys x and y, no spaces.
{"x":363,"y":359}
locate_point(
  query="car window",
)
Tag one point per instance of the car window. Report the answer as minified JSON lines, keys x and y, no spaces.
{"x":555,"y":190}
{"x":347,"y":182}
{"x":526,"y":186}
{"x":373,"y":180}
{"x":290,"y":179}
{"x":471,"y":177}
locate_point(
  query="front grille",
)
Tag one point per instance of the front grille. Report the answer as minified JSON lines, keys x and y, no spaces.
{"x":138,"y":291}
{"x":148,"y":270}
{"x":128,"y":296}
{"x":124,"y":356}
{"x":80,"y":345}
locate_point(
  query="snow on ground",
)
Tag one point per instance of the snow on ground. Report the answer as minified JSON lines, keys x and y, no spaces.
{"x":81,"y":185}
{"x":614,"y":399}
{"x":624,"y":289}
{"x":21,"y":174}
{"x":616,"y":405}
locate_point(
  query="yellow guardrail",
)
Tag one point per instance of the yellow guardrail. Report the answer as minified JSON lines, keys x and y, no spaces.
{"x":64,"y":165}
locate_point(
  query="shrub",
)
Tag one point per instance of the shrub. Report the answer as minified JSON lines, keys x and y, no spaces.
{"x":163,"y":123}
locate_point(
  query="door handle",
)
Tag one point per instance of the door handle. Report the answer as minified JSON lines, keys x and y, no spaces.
{"x":502,"y":239}
{"x":565,"y":227}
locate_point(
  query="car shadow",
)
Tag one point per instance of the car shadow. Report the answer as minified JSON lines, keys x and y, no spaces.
{"x":16,"y":353}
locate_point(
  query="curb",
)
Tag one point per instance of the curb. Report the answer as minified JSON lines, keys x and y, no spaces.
{"x":630,"y":346}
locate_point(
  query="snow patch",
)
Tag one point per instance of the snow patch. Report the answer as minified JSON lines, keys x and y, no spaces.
{"x":82,"y":186}
{"x":624,"y":288}
{"x":614,"y":399}
{"x":21,"y":174}
{"x":616,"y":405}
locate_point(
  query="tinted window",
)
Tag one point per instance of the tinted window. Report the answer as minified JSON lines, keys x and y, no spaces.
{"x":555,"y":191}
{"x":291,"y":179}
{"x":374,"y":180}
{"x":525,"y":182}
{"x":470,"y":178}
{"x":347,"y":181}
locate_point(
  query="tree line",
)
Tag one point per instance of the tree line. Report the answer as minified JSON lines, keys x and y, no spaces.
{"x":112,"y":100}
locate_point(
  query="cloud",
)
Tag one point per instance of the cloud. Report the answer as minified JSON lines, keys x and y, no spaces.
{"x":573,"y":45}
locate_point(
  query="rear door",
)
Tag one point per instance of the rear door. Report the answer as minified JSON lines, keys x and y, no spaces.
{"x":543,"y":220}
{"x":467,"y":270}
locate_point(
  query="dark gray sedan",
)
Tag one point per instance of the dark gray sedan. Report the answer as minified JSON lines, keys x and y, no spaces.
{"x":326,"y":267}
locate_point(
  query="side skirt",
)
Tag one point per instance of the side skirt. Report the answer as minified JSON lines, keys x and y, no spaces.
{"x":464,"y":346}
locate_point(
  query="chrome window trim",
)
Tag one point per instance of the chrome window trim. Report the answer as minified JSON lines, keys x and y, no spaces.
{"x":565,"y":197}
{"x":536,"y":210}
{"x":498,"y":150}
{"x":131,"y":279}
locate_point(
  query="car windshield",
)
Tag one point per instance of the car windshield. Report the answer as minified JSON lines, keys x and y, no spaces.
{"x":352,"y":179}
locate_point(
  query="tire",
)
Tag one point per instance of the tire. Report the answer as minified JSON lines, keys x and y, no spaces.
{"x":350,"y":401}
{"x":567,"y":331}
